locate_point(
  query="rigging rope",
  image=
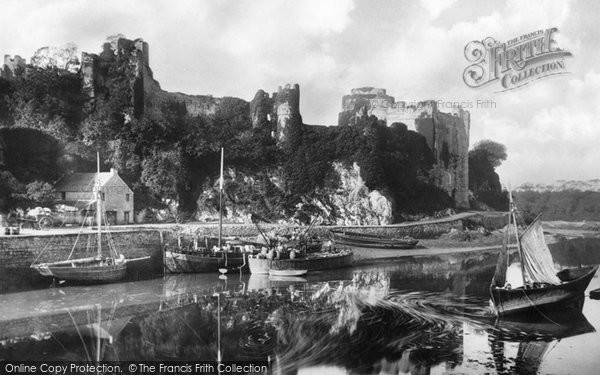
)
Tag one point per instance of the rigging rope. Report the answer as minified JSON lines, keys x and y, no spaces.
{"x":538,"y":310}
{"x":77,"y":238}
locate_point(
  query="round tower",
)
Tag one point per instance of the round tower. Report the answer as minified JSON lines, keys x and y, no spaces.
{"x":287,"y":108}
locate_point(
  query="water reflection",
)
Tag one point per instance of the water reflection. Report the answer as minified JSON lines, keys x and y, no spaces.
{"x":410,"y":317}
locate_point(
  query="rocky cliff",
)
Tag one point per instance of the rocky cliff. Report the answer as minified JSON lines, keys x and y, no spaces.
{"x":351,"y":203}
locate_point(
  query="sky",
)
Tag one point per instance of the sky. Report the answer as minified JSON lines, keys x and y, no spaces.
{"x":414,"y":49}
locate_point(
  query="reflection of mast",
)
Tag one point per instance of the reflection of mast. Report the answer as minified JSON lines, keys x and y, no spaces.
{"x":221,"y":201}
{"x":98,"y":335}
{"x":218,"y":295}
{"x":98,"y":208}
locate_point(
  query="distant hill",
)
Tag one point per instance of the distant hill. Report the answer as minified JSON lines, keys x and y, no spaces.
{"x":563,"y":200}
{"x":562,"y":185}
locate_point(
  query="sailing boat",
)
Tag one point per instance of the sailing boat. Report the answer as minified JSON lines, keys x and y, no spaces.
{"x":98,"y":269}
{"x":204,"y":259}
{"x":544,"y":288}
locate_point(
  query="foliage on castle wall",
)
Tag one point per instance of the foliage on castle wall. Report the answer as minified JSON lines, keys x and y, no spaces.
{"x":166,"y":145}
{"x":447,"y":134}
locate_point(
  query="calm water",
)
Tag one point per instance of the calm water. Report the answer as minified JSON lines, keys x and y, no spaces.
{"x":429,"y":316}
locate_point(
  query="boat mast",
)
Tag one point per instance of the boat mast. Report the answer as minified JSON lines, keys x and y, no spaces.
{"x":221,"y":201}
{"x":98,"y":198}
{"x":514,"y":216}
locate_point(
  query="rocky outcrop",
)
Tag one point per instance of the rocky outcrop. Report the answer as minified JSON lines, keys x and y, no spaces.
{"x":354,"y":204}
{"x":447,"y":134}
{"x":351,"y":203}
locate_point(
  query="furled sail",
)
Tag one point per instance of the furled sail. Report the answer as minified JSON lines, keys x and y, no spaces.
{"x":537,"y":260}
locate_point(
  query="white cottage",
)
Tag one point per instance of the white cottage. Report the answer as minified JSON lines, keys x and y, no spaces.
{"x":78,"y":191}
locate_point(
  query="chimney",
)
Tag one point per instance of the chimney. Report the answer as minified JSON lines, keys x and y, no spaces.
{"x":113,"y":172}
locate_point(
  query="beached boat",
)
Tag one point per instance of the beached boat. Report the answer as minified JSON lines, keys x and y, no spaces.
{"x":543,"y":287}
{"x":374,"y":241}
{"x":97,"y":269}
{"x":300,"y":265}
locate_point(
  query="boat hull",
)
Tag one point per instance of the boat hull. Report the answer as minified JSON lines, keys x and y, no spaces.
{"x":179,"y":262}
{"x":365,"y":240}
{"x":522,"y":301}
{"x":312,"y":262}
{"x":90,"y":272}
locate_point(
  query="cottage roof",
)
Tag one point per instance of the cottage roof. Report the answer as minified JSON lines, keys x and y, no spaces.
{"x":82,"y":182}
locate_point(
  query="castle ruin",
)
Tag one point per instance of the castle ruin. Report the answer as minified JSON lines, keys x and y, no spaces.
{"x":447,"y":134}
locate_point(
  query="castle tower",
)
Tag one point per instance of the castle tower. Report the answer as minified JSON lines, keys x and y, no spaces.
{"x":89,"y":68}
{"x":287,"y":109}
{"x":447,"y":134}
{"x":261,"y":109}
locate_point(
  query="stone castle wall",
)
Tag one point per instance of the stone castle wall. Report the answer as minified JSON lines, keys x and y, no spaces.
{"x":447,"y":134}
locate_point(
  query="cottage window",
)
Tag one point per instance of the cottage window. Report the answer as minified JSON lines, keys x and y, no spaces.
{"x":63,"y":195}
{"x":126,"y":197}
{"x":103,"y":197}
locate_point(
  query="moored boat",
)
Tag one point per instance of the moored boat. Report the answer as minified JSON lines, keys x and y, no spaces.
{"x":212,"y":256}
{"x":374,"y":241}
{"x":97,"y":269}
{"x":544,"y":288}
{"x":192,"y":258}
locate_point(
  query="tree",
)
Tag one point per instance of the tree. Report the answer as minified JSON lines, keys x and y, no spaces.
{"x":494,"y":152}
{"x":9,"y":186}
{"x":484,"y":182}
{"x":38,"y":193}
{"x":48,"y":99}
{"x":64,"y":57}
